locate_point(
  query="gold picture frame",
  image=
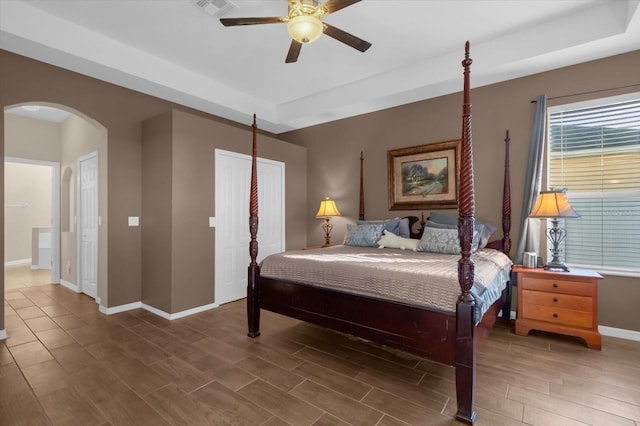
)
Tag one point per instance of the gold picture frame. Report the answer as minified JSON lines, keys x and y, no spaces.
{"x":424,"y":177}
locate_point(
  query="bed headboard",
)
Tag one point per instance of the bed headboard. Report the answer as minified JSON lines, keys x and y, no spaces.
{"x":416,"y":225}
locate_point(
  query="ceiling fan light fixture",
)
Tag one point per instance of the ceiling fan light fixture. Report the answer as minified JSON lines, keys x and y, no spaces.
{"x":305,"y":28}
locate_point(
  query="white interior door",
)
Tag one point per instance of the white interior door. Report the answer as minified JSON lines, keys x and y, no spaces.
{"x":88,"y":224}
{"x":233,"y":181}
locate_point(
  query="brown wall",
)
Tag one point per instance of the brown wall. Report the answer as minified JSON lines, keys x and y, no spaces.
{"x":178,"y":194}
{"x":121,"y":112}
{"x":194,"y":142}
{"x":156,"y":218}
{"x":335,"y":148}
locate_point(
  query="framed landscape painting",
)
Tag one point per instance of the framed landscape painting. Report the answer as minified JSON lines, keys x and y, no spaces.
{"x":424,"y":177}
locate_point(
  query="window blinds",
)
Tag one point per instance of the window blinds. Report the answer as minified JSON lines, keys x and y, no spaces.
{"x":595,"y":154}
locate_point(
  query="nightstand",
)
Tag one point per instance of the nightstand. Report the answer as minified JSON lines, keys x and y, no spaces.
{"x":559,"y":302}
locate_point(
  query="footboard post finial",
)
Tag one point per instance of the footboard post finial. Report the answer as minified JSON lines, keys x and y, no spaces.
{"x":253,"y":305}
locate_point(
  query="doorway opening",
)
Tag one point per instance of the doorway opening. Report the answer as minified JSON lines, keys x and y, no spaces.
{"x":31,"y":221}
{"x":59,"y":136}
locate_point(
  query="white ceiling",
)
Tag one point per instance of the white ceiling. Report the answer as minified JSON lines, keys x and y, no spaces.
{"x":172,"y":49}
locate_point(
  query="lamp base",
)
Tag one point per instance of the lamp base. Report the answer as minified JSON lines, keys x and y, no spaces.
{"x":557,"y":266}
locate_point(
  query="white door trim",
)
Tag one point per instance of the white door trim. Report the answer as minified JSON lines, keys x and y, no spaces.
{"x":55,"y":211}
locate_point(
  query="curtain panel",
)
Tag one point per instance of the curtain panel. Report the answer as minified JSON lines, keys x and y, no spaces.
{"x":530,"y":228}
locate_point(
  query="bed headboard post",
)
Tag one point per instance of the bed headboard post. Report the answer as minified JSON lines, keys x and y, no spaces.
{"x":465,"y":357}
{"x":253,"y":303}
{"x":506,"y":201}
{"x":361,"y":214}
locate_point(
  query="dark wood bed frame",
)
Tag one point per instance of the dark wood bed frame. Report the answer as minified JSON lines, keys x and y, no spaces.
{"x":446,"y":337}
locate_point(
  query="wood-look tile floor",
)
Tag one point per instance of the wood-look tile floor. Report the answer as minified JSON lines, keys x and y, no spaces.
{"x":65,"y":363}
{"x":22,"y":276}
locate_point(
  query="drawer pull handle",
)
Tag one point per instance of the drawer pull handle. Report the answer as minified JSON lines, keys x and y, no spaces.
{"x":555,"y":299}
{"x":555,"y":315}
{"x":555,"y":285}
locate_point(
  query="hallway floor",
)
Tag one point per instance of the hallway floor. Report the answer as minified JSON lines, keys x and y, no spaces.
{"x":64,"y":363}
{"x":22,"y":276}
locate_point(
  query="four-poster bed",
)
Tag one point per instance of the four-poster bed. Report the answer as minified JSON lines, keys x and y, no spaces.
{"x":448,"y":336}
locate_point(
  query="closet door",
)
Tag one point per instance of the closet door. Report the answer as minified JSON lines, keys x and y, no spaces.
{"x":233,"y":180}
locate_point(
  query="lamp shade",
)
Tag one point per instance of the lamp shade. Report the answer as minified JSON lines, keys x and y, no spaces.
{"x":553,"y":204}
{"x":327,"y":209}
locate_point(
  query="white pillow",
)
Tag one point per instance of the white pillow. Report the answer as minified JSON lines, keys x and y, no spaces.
{"x":391,"y":240}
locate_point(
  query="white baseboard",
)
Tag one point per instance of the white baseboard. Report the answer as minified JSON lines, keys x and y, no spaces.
{"x":180,"y":314}
{"x":619,"y":332}
{"x":121,"y":308}
{"x":70,"y":286}
{"x":3,"y":334}
{"x":156,"y":311}
{"x":17,"y":262}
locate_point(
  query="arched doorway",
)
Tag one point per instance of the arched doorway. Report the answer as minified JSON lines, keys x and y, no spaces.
{"x":57,"y":133}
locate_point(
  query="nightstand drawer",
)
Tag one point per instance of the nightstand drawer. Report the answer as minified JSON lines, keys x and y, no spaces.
{"x":556,"y":286}
{"x":563,"y":301}
{"x":559,"y":316}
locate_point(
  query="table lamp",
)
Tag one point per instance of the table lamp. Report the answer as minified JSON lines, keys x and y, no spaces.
{"x":327,"y":210}
{"x":554,"y":205}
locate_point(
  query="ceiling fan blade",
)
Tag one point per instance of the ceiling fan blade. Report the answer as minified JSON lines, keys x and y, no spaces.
{"x":294,"y":51}
{"x":346,"y":38}
{"x":231,"y":22}
{"x":335,"y":5}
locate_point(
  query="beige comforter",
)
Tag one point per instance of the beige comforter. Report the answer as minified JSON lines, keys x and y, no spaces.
{"x":416,"y":278}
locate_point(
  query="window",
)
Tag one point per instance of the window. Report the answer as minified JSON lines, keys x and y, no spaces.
{"x":594,"y":152}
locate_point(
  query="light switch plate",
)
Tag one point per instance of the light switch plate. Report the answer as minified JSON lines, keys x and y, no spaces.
{"x":212,"y":222}
{"x":134,"y":221}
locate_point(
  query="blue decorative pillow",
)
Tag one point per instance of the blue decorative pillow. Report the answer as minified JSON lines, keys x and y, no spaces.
{"x":366,"y":235}
{"x":431,"y":224}
{"x":483,"y":230}
{"x":438,"y":240}
{"x":396,"y":225}
{"x":443,"y":218}
{"x":403,"y":228}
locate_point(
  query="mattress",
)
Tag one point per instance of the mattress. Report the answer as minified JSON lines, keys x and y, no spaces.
{"x":416,"y":278}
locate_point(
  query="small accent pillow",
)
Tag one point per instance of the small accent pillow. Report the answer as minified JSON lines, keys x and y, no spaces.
{"x":438,"y":240}
{"x":366,"y":235}
{"x":391,"y":240}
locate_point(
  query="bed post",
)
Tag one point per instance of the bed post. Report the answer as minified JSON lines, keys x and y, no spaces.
{"x":506,"y":222}
{"x":465,"y":357}
{"x":253,"y":305}
{"x":361,"y":215}
{"x":506,"y":201}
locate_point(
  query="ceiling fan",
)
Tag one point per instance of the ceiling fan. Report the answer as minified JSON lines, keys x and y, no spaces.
{"x":305,"y":25}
